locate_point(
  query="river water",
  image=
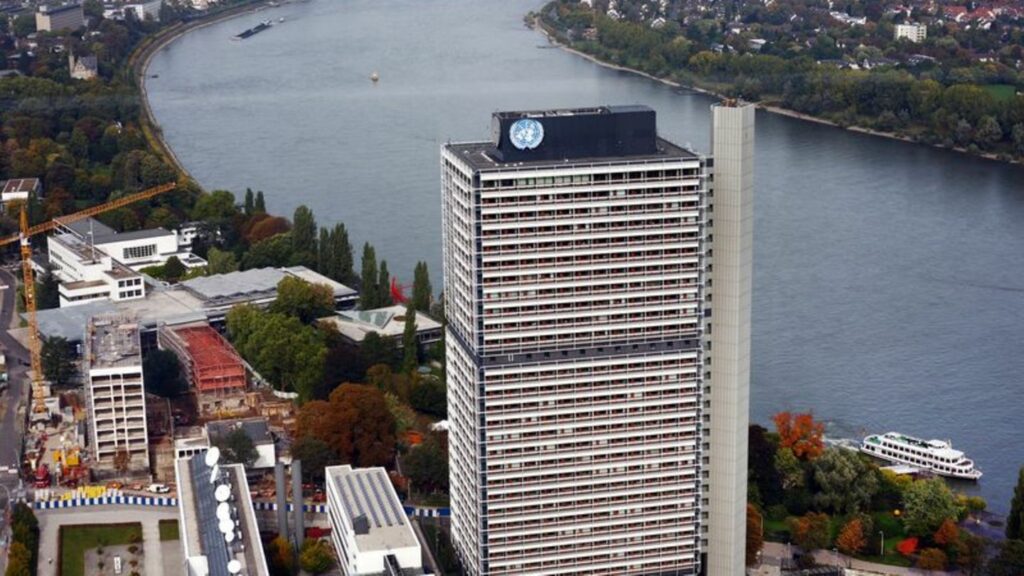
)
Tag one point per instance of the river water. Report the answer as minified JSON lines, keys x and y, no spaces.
{"x":889,"y":277}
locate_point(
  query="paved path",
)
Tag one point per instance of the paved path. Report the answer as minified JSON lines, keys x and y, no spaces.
{"x":10,"y":401}
{"x":50,"y":522}
{"x":774,"y":552}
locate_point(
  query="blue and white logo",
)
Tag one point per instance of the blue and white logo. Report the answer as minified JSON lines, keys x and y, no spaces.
{"x":526,"y":134}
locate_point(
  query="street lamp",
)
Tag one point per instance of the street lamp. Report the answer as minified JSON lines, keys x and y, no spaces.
{"x":881,"y":547}
{"x":835,"y":555}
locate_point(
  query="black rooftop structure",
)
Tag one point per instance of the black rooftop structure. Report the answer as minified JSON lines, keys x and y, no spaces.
{"x":618,"y":131}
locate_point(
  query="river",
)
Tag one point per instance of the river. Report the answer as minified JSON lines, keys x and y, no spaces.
{"x":889,"y":277}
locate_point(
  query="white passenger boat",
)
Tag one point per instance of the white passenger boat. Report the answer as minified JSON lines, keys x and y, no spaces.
{"x":937,"y":456}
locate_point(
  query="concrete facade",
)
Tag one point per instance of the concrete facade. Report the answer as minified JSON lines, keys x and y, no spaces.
{"x":728,"y":336}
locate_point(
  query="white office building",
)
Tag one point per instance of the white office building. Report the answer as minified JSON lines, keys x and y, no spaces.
{"x":94,"y":262}
{"x":116,"y":396}
{"x":916,"y":33}
{"x":369,"y":529}
{"x":576,"y":260}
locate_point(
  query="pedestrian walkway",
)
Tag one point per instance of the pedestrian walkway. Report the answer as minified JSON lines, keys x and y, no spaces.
{"x":775,"y":552}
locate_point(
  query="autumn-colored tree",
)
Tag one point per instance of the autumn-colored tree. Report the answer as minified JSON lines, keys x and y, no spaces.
{"x":263,"y":226}
{"x":907,"y":546}
{"x":355,"y":422}
{"x":280,"y":558}
{"x":810,"y":531}
{"x":851,"y":539}
{"x":932,"y":559}
{"x":801,"y":434}
{"x":755,"y":537}
{"x":947,"y":534}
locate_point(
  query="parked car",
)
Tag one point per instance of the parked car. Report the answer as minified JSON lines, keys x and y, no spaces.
{"x":158,"y":488}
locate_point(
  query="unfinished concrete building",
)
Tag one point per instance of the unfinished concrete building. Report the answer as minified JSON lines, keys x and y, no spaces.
{"x":214,"y":369}
{"x":116,"y":396}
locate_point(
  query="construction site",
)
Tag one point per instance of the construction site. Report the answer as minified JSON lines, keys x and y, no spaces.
{"x":214,"y":370}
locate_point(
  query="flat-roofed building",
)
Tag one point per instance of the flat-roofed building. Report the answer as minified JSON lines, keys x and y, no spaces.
{"x":256,"y":429}
{"x":371,"y":534}
{"x":116,"y":396}
{"x":354,"y":325}
{"x":50,"y":18}
{"x":21,"y":189}
{"x":219,"y":533}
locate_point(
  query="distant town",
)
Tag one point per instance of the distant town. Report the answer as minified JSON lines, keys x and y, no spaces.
{"x":190,"y":384}
{"x":939,"y":72}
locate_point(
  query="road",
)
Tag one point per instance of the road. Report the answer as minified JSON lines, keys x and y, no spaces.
{"x":11,"y":429}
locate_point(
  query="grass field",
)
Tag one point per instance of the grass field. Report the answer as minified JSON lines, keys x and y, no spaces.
{"x":169,"y":530}
{"x":1000,"y":91}
{"x":75,"y":540}
{"x":886,"y":522}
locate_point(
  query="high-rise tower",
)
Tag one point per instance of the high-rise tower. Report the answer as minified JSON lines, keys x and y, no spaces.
{"x":575,"y":272}
{"x":727,"y":332}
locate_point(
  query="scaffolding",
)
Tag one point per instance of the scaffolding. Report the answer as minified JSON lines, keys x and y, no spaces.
{"x":212,"y":364}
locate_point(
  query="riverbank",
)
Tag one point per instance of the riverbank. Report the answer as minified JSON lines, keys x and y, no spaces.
{"x":139,"y":61}
{"x":535,"y":23}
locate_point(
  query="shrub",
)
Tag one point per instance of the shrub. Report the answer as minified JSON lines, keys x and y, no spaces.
{"x":932,"y":559}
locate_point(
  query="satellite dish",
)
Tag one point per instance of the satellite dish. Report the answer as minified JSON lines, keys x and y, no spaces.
{"x":214,"y":474}
{"x":234,"y":566}
{"x":224,"y":511}
{"x":222,"y":493}
{"x":229,"y":537}
{"x":212,"y":456}
{"x":227,"y":526}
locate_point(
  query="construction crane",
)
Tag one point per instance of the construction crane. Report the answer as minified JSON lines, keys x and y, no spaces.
{"x":28,"y":277}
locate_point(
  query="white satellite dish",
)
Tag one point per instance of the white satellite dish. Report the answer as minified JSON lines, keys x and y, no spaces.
{"x":229,"y":537}
{"x":214,"y":474}
{"x":226,"y":526}
{"x":234,"y":566}
{"x":223,"y":511}
{"x":222,"y":493}
{"x":212,"y":456}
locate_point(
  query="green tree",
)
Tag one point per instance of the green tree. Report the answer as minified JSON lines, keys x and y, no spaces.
{"x":426,"y":466}
{"x":927,"y":503}
{"x":421,"y":289}
{"x":410,"y":356}
{"x":989,"y":132}
{"x":286,"y":352}
{"x":316,"y":556}
{"x":174,"y":269}
{"x":250,"y":202}
{"x":761,"y":465}
{"x":383,"y":290}
{"x":304,"y":237}
{"x":376,"y":349}
{"x":220,"y":261}
{"x":216,"y":207}
{"x":1009,"y":561}
{"x":790,"y":470}
{"x":59,"y":366}
{"x":47,"y":290}
{"x":271,"y":252}
{"x":19,"y":561}
{"x":845,"y":483}
{"x":430,"y":397}
{"x":237,"y":447}
{"x":162,"y":373}
{"x":24,"y":25}
{"x":303,"y":300}
{"x":368,"y":290}
{"x":1015,"y":519}
{"x":315,"y":455}
{"x":971,"y":552}
{"x":260,"y":206}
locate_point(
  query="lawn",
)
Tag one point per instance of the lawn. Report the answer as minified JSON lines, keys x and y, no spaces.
{"x":778,"y":531}
{"x":1000,"y":92}
{"x":75,"y":540}
{"x":169,"y":530}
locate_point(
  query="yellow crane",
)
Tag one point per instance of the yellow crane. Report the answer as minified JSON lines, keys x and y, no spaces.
{"x":28,"y":277}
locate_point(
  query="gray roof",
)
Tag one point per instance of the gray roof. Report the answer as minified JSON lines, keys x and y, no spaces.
{"x":103,"y":234}
{"x":255,"y":428}
{"x":69,"y":322}
{"x":368,"y":493}
{"x":235,"y":284}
